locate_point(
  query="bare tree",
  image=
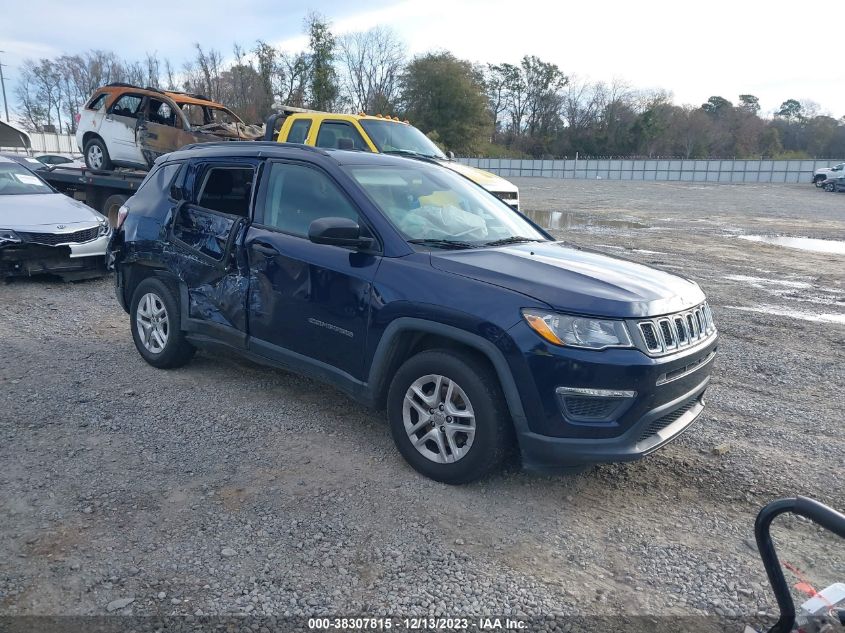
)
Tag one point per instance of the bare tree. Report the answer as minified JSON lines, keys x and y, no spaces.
{"x":371,"y":63}
{"x":170,"y":75}
{"x":293,"y":79}
{"x":153,"y":70}
{"x":202,"y":74}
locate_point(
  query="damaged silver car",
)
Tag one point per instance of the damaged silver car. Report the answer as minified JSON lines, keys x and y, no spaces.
{"x":43,"y":231}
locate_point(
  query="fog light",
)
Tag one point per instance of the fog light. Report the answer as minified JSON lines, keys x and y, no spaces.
{"x":587,"y":405}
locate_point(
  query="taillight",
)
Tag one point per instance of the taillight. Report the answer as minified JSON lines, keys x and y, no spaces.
{"x":76,"y":118}
{"x":122,"y":212}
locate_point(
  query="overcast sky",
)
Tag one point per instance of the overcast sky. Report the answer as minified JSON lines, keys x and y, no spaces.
{"x":775,"y":50}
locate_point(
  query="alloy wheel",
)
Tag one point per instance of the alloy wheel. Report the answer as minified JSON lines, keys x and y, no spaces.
{"x":95,"y":156}
{"x":153,"y":322}
{"x":439,"y":419}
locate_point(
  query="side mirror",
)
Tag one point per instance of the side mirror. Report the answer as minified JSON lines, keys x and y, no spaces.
{"x":345,"y":143}
{"x":338,"y":232}
{"x":451,"y":155}
{"x":177,"y":193}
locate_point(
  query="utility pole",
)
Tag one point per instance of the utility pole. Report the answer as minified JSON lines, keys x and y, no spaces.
{"x":3,"y":85}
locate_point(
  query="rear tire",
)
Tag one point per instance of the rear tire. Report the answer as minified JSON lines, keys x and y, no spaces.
{"x":96,"y":155}
{"x":155,"y":321}
{"x":429,"y":387}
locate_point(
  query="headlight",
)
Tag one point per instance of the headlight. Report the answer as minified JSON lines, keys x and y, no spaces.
{"x":8,"y":235}
{"x":562,"y":329}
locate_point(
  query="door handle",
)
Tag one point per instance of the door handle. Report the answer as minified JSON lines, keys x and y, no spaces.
{"x":264,"y":249}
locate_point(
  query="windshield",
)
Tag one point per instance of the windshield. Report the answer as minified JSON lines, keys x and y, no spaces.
{"x":16,"y":180}
{"x":392,"y":137}
{"x":434,"y":206}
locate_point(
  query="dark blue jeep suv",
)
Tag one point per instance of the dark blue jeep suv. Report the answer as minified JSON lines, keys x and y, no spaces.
{"x":412,"y":289}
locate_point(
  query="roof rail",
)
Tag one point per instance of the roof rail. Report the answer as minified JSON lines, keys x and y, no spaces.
{"x":189,"y":94}
{"x":121,"y":84}
{"x":273,"y":144}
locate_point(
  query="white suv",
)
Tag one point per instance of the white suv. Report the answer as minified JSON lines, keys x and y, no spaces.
{"x":820,"y":175}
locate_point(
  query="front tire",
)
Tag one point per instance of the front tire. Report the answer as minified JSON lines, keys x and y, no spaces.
{"x":818,"y":180}
{"x":155,"y":321}
{"x":96,"y":155}
{"x":448,"y":416}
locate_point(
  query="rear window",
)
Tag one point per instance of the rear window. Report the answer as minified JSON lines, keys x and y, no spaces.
{"x":332,"y":131}
{"x":299,"y":131}
{"x":97,"y":101}
{"x":127,"y":105}
{"x":227,"y":190}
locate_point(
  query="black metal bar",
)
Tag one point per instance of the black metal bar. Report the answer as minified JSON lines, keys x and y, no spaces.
{"x":817,"y":512}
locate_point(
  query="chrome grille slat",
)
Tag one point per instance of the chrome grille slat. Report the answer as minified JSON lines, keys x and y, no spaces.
{"x":681,"y":331}
{"x":691,"y":323}
{"x":664,"y":327}
{"x":673,"y":332}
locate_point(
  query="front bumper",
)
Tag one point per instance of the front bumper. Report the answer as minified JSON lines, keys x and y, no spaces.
{"x":94,"y":248}
{"x":25,"y":259}
{"x":659,"y":398}
{"x":659,"y":427}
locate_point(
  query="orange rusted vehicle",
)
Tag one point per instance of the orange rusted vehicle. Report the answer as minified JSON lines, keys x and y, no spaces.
{"x":123,"y":125}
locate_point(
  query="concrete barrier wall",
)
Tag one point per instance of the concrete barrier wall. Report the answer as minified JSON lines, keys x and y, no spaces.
{"x":659,"y":169}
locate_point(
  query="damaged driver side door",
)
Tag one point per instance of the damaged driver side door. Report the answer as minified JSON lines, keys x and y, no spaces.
{"x":207,"y":230}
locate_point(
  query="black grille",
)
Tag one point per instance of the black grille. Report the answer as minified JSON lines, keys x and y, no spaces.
{"x":668,"y":337}
{"x":664,"y":335}
{"x":661,"y":423}
{"x":589,"y":406}
{"x":51,"y":239}
{"x":692,"y":330}
{"x":682,"y":333}
{"x":505,"y":195}
{"x":650,"y":336}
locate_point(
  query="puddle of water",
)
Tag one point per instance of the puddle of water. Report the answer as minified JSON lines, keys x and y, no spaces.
{"x":794,"y":290}
{"x":793,"y":314}
{"x":561,"y":220}
{"x":804,"y":243}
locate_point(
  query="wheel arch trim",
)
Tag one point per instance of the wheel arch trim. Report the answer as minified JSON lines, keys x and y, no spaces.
{"x":386,"y":348}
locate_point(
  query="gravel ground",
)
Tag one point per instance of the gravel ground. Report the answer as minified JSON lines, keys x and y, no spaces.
{"x":229,"y":488}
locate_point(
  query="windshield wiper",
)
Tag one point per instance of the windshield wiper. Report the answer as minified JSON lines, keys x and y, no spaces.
{"x":411,"y":153}
{"x":515,"y":239}
{"x":442,"y":243}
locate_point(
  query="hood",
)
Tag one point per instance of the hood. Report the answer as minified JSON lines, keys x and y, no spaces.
{"x":574,"y":280}
{"x":489,"y":181}
{"x":40,"y":211}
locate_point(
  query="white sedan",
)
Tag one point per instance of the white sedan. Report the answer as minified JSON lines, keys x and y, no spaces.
{"x":43,"y":231}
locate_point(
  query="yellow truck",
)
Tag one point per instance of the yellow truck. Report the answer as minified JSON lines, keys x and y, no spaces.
{"x":376,"y":133}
